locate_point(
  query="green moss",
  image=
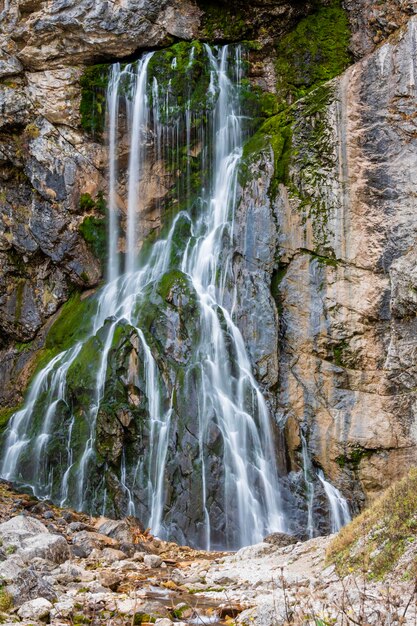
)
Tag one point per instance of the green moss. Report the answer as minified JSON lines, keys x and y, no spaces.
{"x":184,"y":77}
{"x":86,"y":203}
{"x":169,"y":280}
{"x":93,"y":98}
{"x":141,"y":618}
{"x":5,"y":414}
{"x":72,"y":324}
{"x":93,"y":230}
{"x":338,"y":352}
{"x":353,"y":457}
{"x":375,"y":540}
{"x":275,"y":132}
{"x":316,"y":51}
{"x":325,"y":260}
{"x":225,"y":21}
{"x":80,"y":618}
{"x":257,"y":104}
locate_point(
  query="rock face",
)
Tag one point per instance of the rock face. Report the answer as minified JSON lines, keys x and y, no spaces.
{"x":347,"y":364}
{"x":324,"y":234}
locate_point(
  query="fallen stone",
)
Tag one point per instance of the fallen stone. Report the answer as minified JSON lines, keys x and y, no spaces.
{"x":120,"y":530}
{"x":110,"y":555}
{"x":281,"y":540}
{"x":62,"y":609}
{"x":45,"y":546}
{"x":84,"y":542}
{"x":110,"y":580}
{"x":152,"y":560}
{"x":37,"y":609}
{"x":16,"y":530}
{"x":10,"y":569}
{"x":29,"y":585}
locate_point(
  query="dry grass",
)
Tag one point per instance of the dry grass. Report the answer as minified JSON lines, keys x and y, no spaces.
{"x":376,"y":539}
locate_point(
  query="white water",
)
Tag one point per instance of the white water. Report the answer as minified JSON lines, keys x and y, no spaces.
{"x":228,"y":397}
{"x":339,"y":509}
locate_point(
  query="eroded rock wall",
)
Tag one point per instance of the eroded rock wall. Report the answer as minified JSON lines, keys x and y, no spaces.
{"x":347,"y":233}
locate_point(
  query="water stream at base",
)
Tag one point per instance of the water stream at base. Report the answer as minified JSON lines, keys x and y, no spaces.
{"x":229,"y":399}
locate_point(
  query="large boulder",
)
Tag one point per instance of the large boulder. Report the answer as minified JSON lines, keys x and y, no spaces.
{"x":37,"y":609}
{"x":30,"y":539}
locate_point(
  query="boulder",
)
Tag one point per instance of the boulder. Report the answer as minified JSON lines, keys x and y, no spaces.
{"x":110,"y":580}
{"x":46,"y":546}
{"x":152,"y":560}
{"x":280,"y":540}
{"x":38,"y":609}
{"x":110,"y":555}
{"x":28,"y":585}
{"x":84,"y":542}
{"x":18,"y":529}
{"x":120,"y":530}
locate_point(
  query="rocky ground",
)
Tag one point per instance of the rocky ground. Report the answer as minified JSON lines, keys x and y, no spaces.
{"x":61,"y":567}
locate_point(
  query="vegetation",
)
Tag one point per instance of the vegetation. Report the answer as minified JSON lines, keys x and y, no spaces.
{"x":374,"y":541}
{"x":5,"y":415}
{"x":71,"y":325}
{"x":93,"y":98}
{"x":6,"y":600}
{"x":225,"y":21}
{"x":316,"y":51}
{"x":93,"y":229}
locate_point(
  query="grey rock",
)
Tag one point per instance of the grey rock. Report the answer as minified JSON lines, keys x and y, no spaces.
{"x":14,"y":107}
{"x":46,"y":546}
{"x":118,"y":529}
{"x":29,"y":585}
{"x":84,"y":542}
{"x":281,"y":540}
{"x":37,"y":609}
{"x":152,"y":560}
{"x":17,"y":530}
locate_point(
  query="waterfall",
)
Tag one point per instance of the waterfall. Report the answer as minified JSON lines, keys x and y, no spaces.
{"x":134,"y":420}
{"x":339,"y":510}
{"x":308,"y":474}
{"x":337,"y":505}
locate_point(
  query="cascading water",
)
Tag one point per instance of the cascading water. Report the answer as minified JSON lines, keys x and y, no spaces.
{"x":338,"y":507}
{"x":339,"y":510}
{"x":154,"y":411}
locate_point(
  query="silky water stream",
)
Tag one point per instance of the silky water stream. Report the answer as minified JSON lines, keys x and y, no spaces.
{"x":170,"y":427}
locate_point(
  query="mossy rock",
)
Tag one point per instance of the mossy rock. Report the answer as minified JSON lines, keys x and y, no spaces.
{"x":183,"y":74}
{"x":314,"y":52}
{"x":93,"y":230}
{"x":5,"y":415}
{"x":73,"y":322}
{"x":94,"y":83}
{"x":224,"y":21}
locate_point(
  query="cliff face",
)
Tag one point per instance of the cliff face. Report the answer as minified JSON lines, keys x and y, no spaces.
{"x":347,"y":367}
{"x":325,"y":229}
